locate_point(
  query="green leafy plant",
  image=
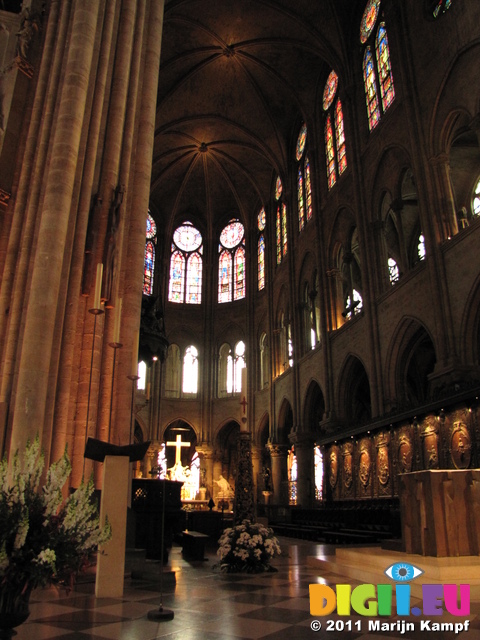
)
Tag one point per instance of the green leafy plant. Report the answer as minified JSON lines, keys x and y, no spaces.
{"x":247,"y":547}
{"x":44,"y":538}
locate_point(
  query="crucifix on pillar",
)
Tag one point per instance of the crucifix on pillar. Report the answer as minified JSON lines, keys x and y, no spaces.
{"x":178,"y":444}
{"x":244,"y":404}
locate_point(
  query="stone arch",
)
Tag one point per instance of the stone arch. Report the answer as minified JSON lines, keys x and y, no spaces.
{"x":314,"y":408}
{"x":284,"y":422}
{"x":354,"y":399}
{"x":412,"y":359}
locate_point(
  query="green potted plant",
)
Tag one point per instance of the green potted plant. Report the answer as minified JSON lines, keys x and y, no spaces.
{"x":44,"y":538}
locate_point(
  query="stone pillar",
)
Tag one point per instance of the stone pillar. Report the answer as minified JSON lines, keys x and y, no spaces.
{"x":305,"y":473}
{"x":278,"y":456}
{"x":244,"y":503}
{"x":256,"y":459}
{"x":35,"y":358}
{"x":206,"y":463}
{"x":217,"y":471}
{"x":443,"y":183}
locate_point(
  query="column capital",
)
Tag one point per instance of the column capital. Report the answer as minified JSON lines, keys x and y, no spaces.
{"x":277,"y":450}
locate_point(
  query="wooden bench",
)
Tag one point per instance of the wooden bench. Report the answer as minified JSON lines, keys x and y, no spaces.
{"x":193,"y":544}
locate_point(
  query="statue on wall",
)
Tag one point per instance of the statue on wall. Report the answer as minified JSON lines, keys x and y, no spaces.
{"x":405,"y":453}
{"x":225,"y":490}
{"x":364,"y":467}
{"x":333,"y":471}
{"x":29,"y":27}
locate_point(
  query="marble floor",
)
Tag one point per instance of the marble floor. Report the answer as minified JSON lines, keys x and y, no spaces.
{"x":209,"y":605}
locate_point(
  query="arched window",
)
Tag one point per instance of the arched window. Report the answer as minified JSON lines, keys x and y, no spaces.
{"x":318,"y":463}
{"x":437,"y":7}
{"x":334,"y":131}
{"x":349,"y":265}
{"x":231,"y":262}
{"x":382,"y":84}
{"x":186,"y":265}
{"x":190,"y":370}
{"x":476,"y":200}
{"x":261,"y":223}
{"x":149,"y":264}
{"x":234,"y":368}
{"x":393,"y":271}
{"x":264,"y":361}
{"x":304,"y":182}
{"x":142,"y":376}
{"x":292,"y":476}
{"x":281,"y":223}
{"x":421,"y":252}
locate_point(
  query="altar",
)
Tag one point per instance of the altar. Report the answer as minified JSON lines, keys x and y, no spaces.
{"x":440,"y":512}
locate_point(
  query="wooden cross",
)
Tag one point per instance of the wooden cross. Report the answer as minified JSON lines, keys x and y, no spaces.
{"x":244,"y":404}
{"x":178,"y":444}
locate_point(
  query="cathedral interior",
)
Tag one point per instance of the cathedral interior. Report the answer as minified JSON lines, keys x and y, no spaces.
{"x":255,"y":216}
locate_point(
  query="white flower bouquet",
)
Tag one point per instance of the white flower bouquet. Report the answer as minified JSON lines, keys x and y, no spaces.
{"x":247,"y":547}
{"x":44,"y":538}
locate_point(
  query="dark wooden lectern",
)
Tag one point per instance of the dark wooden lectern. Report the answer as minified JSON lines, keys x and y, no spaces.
{"x":147,"y":500}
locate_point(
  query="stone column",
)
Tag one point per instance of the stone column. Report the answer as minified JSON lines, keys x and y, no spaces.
{"x":206,"y":462}
{"x":35,"y":358}
{"x":278,"y":456}
{"x":244,"y":503}
{"x":441,"y":168}
{"x":305,"y":473}
{"x":256,"y":459}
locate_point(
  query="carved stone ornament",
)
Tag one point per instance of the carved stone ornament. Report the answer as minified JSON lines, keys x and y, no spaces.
{"x":347,"y":465}
{"x":333,"y":467}
{"x":405,"y":453}
{"x":460,"y":445}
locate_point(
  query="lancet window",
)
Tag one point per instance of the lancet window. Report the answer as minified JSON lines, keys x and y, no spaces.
{"x":377,"y":71}
{"x":231,"y":262}
{"x":261,"y":222}
{"x":190,"y":370}
{"x":186,"y":265}
{"x":304,"y":181}
{"x":335,"y":149}
{"x":149,"y":263}
{"x":318,"y":465}
{"x":281,"y":223}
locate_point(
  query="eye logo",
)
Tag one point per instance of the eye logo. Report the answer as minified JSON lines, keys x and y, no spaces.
{"x":403,"y":572}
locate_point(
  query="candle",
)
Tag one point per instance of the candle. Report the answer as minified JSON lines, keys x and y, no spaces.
{"x":118,"y":317}
{"x":135,"y":355}
{"x":98,"y":286}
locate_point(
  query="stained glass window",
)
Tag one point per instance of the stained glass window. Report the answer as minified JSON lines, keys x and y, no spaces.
{"x":186,"y":265}
{"x":369,"y":78}
{"x":149,"y":263}
{"x":308,"y":189}
{"x":302,"y":138}
{"x":231,"y":262}
{"x":369,"y":19}
{"x":440,"y":6}
{"x":384,"y":82}
{"x":301,"y":203}
{"x":318,"y":462}
{"x":330,"y":90}
{"x":387,"y":90}
{"x":340,"y":138}
{"x":331,"y":167}
{"x":278,"y":188}
{"x":261,"y":262}
{"x":292,"y":471}
{"x":261,"y":219}
{"x":304,"y":184}
{"x":284,"y":230}
{"x":279,"y":236}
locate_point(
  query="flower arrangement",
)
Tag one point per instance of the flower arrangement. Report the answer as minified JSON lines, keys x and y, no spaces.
{"x":247,"y":547}
{"x":43,"y":538}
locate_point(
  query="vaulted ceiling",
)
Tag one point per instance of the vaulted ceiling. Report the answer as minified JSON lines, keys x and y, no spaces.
{"x":237,"y":79}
